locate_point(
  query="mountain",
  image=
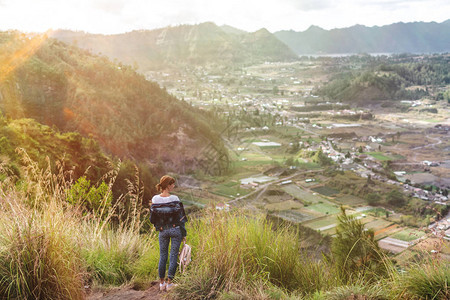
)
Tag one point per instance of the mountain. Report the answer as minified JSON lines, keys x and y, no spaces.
{"x":233,"y":30}
{"x":74,"y":91}
{"x":201,"y":44}
{"x":416,"y":37}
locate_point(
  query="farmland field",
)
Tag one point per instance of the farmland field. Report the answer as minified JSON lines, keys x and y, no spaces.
{"x":377,"y":224}
{"x":325,"y":190}
{"x":350,"y":200}
{"x":324,"y":208}
{"x":285,"y":205}
{"x":294,"y":215}
{"x":379,"y":156}
{"x":322,"y":222}
{"x":302,"y":194}
{"x":408,"y":234}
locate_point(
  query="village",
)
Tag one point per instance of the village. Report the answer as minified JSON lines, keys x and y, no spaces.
{"x":282,"y":121}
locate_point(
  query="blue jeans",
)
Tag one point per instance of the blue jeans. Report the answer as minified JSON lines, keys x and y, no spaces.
{"x":165,"y":236}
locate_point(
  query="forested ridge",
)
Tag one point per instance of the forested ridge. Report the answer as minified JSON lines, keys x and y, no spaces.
{"x":74,"y":91}
{"x":393,"y":78}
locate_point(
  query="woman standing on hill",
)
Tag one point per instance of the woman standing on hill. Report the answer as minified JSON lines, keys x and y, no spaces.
{"x":168,"y":216}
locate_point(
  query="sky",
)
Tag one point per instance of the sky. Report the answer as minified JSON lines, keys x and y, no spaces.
{"x":118,"y":16}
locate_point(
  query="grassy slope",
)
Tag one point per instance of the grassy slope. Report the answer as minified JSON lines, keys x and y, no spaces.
{"x":259,"y":262}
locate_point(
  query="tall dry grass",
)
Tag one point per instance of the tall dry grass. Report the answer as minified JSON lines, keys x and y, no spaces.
{"x":235,"y":252}
{"x":51,"y":250}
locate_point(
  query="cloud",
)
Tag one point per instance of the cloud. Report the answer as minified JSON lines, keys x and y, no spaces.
{"x":311,"y":5}
{"x":115,"y":7}
{"x":398,"y":4}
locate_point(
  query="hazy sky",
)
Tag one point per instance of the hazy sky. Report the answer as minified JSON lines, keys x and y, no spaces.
{"x":116,"y":16}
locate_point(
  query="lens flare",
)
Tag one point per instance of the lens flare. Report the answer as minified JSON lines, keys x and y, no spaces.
{"x":28,"y":45}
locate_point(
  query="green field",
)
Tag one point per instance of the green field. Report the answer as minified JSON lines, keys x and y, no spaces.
{"x":350,"y":200}
{"x":380,"y":156}
{"x":285,"y":205}
{"x":377,"y":224}
{"x":229,"y":189}
{"x":324,"y":208}
{"x":293,"y":216}
{"x":189,"y":199}
{"x":408,"y":234}
{"x":325,"y":190}
{"x":288,"y":130}
{"x":322,"y":222}
{"x":301,"y":194}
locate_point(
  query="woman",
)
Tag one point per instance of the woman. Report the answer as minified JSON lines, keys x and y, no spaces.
{"x":168,"y":216}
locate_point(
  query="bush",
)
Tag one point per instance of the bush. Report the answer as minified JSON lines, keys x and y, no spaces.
{"x":425,"y":281}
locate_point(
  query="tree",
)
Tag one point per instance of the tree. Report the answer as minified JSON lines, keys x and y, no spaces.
{"x":354,"y":250}
{"x":275,"y":90}
{"x":373,"y":199}
{"x":395,"y":198}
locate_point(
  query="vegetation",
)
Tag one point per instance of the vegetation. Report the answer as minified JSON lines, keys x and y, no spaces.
{"x":48,"y":249}
{"x":389,"y":79}
{"x":73,"y":90}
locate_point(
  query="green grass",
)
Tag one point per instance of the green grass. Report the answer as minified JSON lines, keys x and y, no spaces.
{"x":408,"y":234}
{"x":301,"y":194}
{"x":50,"y":250}
{"x":285,"y":205}
{"x":377,"y":224}
{"x":288,"y":130}
{"x":379,"y":156}
{"x":325,"y":190}
{"x":324,"y":208}
{"x":294,"y":215}
{"x":229,"y":189}
{"x":322,"y":222}
{"x":350,"y":200}
{"x":429,"y":280}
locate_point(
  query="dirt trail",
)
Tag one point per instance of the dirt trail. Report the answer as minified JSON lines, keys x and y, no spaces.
{"x":128,"y":293}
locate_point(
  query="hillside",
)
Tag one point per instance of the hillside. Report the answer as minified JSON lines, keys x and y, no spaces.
{"x":200,"y":44}
{"x":130,"y":117}
{"x":395,"y":79}
{"x":416,"y":37}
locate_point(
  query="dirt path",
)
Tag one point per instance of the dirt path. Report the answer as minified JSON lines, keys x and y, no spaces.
{"x":128,"y":293}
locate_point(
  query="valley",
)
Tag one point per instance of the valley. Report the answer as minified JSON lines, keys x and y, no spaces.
{"x":299,"y":156}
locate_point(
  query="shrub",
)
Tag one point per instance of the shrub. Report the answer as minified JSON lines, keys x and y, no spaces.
{"x":355,"y":251}
{"x":425,"y":281}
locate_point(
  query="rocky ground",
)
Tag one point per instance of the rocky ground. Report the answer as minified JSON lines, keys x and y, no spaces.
{"x":128,"y":293}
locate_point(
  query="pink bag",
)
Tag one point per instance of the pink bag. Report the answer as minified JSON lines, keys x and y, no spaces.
{"x":185,"y":257}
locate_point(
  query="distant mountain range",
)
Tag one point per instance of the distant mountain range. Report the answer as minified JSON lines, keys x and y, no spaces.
{"x":416,"y":37}
{"x":209,"y":44}
{"x":200,"y":44}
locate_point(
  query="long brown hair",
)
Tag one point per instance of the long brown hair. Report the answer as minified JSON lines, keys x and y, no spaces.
{"x":164,"y":182}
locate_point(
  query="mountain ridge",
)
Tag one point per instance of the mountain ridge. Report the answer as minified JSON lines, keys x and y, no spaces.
{"x":400,"y":37}
{"x":201,"y":44}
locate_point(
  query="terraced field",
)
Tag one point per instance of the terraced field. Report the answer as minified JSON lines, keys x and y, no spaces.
{"x":302,"y":194}
{"x":408,"y":234}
